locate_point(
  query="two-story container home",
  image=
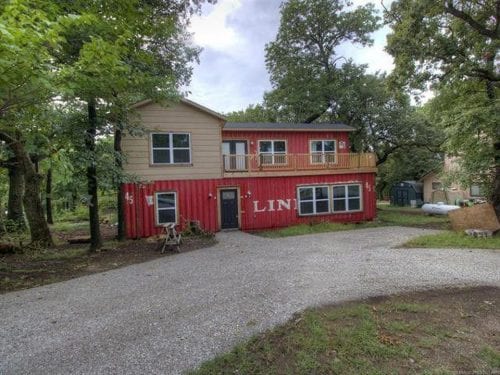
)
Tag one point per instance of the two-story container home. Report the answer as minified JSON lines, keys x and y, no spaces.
{"x":195,"y":166}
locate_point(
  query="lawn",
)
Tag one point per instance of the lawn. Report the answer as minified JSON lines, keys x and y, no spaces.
{"x":386,"y":216}
{"x":454,"y":240}
{"x":433,"y":332}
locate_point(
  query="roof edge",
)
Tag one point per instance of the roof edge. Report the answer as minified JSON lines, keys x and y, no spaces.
{"x":188,"y":102}
{"x":286,"y":129}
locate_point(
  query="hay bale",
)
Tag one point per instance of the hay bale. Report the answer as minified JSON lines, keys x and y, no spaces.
{"x":480,"y":216}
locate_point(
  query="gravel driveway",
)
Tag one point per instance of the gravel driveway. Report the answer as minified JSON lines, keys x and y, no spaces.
{"x":170,"y":314}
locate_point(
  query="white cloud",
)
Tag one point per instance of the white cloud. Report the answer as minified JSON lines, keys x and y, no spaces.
{"x":375,"y":57}
{"x":233,"y":33}
{"x":211,"y":30}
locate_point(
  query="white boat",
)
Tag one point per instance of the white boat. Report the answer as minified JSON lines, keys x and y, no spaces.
{"x":439,"y":208}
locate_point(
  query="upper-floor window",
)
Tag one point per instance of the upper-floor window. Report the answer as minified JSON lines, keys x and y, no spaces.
{"x":323,"y":151}
{"x":171,"y":148}
{"x":272,"y":152}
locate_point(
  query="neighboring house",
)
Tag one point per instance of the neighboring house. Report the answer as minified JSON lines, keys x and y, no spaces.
{"x":437,"y":190}
{"x":195,"y":166}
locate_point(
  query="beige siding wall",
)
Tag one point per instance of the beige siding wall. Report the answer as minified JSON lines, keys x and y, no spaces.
{"x":206,"y":141}
{"x":452,"y":193}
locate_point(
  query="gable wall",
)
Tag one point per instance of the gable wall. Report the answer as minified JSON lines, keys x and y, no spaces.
{"x":206,"y":139}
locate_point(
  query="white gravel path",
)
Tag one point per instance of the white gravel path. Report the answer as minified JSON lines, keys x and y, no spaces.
{"x":170,"y":314}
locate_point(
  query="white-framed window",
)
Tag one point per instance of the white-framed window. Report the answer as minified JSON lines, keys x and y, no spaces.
{"x":272,"y":152}
{"x":476,"y":191}
{"x":437,"y":185}
{"x":313,"y":200}
{"x":170,"y":148}
{"x":323,"y":151}
{"x":346,"y":198}
{"x":166,"y":207}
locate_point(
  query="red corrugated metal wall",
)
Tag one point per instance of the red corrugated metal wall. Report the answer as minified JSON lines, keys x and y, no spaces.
{"x":297,"y":142}
{"x":259,"y":201}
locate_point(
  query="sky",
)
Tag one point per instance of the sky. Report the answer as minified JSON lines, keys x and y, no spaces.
{"x":233,"y":33}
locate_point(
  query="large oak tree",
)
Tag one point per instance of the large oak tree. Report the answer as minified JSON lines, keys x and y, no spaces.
{"x":453,"y":46}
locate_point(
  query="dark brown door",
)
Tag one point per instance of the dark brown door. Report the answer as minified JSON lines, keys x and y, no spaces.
{"x":229,"y":208}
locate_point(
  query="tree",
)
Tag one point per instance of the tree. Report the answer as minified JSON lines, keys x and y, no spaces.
{"x":470,"y":123}
{"x":25,"y":87}
{"x":115,"y":53}
{"x":453,"y":44}
{"x":303,"y":61}
{"x":253,"y":113}
{"x":406,"y":164}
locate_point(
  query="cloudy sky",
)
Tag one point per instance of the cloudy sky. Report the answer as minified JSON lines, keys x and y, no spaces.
{"x":233,"y":33}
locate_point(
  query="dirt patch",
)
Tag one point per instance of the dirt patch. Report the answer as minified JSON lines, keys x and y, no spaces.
{"x":451,"y":331}
{"x":31,"y":269}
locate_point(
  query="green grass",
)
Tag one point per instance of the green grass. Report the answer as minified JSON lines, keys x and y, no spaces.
{"x":393,"y":217}
{"x":393,"y":336}
{"x":386,"y":216}
{"x":69,"y":226}
{"x":491,"y":356}
{"x":322,"y":227}
{"x":454,"y":240}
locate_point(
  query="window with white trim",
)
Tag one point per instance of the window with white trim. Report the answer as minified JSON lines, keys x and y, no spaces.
{"x":346,"y":198}
{"x":166,"y":207}
{"x":272,"y":152}
{"x":314,"y":200}
{"x":476,"y":191}
{"x":323,"y":151}
{"x":170,"y":148}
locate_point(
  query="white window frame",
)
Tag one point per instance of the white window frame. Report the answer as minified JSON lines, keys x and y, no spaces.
{"x":323,"y":153}
{"x":171,"y":148}
{"x":158,"y":209}
{"x":479,"y":195}
{"x":272,"y":152}
{"x":313,"y":200}
{"x":346,"y":198}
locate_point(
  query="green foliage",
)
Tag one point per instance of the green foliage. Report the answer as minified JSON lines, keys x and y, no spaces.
{"x":303,"y":61}
{"x":253,"y":113}
{"x":453,"y":46}
{"x":406,"y":164}
{"x":442,"y":41}
{"x":312,"y":82}
{"x":470,"y":121}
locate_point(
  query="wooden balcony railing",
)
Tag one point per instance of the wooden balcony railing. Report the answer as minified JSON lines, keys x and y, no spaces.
{"x":297,"y":162}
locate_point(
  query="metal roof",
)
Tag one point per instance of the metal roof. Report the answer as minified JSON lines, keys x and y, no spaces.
{"x":270,"y":126}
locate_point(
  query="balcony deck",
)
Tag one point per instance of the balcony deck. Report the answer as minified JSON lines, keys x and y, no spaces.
{"x":297,"y":164}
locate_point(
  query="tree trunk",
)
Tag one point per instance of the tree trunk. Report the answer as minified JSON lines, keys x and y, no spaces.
{"x":119,"y":196}
{"x":496,"y":187}
{"x":16,"y":187}
{"x":495,"y":195}
{"x":48,"y":196}
{"x":74,"y":200}
{"x":95,"y":233}
{"x":39,"y":230}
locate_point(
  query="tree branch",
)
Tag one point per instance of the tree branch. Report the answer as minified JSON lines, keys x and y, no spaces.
{"x":450,"y":9}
